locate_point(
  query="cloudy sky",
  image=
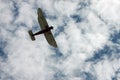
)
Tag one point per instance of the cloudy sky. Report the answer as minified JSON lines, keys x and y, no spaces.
{"x":87,"y":33}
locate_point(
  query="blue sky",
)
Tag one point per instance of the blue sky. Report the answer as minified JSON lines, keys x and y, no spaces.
{"x":87,"y":34}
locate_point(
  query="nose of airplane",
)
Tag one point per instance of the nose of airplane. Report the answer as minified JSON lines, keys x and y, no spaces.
{"x":39,"y":10}
{"x":51,"y":27}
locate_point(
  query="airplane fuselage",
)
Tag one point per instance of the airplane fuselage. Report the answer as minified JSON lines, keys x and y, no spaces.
{"x":43,"y":31}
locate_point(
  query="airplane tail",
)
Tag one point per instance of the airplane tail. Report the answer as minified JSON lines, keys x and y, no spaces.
{"x":31,"y":35}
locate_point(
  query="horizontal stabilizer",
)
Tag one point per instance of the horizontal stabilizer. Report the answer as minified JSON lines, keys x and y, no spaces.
{"x":31,"y":35}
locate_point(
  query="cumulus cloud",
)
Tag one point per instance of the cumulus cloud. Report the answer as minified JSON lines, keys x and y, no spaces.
{"x":85,"y":33}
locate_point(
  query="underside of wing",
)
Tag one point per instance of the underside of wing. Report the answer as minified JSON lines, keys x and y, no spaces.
{"x":44,"y":25}
{"x":41,"y":19}
{"x":49,"y":37}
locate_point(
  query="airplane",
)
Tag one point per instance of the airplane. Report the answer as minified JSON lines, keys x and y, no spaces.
{"x":45,"y":29}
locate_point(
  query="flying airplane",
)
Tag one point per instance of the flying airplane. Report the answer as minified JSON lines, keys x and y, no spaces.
{"x":45,"y":29}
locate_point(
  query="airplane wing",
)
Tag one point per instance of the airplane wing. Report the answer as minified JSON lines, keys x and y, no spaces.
{"x":43,"y":24}
{"x":41,"y":19}
{"x":50,"y":39}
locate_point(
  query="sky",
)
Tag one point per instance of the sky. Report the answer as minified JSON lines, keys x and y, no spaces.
{"x":87,"y":33}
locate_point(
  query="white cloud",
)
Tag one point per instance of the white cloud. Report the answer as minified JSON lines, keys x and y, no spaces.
{"x":28,"y":60}
{"x":106,"y":69}
{"x":108,"y":9}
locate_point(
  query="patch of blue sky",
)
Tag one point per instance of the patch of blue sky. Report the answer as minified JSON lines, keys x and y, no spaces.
{"x":35,"y":27}
{"x":5,"y":76}
{"x":116,"y":77}
{"x":76,"y":18}
{"x":52,"y":17}
{"x":83,"y":4}
{"x":59,"y":75}
{"x":3,"y":55}
{"x":58,"y":53}
{"x":59,"y":30}
{"x":107,"y":51}
{"x":61,"y":27}
{"x":85,"y":75}
{"x":58,"y":56}
{"x":88,"y":76}
{"x":83,"y":31}
{"x":13,"y":29}
{"x":115,"y":37}
{"x":47,"y":15}
{"x":15,"y":9}
{"x":22,"y":24}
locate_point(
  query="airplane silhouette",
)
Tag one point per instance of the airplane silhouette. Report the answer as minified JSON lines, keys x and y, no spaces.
{"x":45,"y":29}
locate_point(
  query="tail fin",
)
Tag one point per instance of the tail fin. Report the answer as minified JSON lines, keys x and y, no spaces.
{"x":31,"y":35}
